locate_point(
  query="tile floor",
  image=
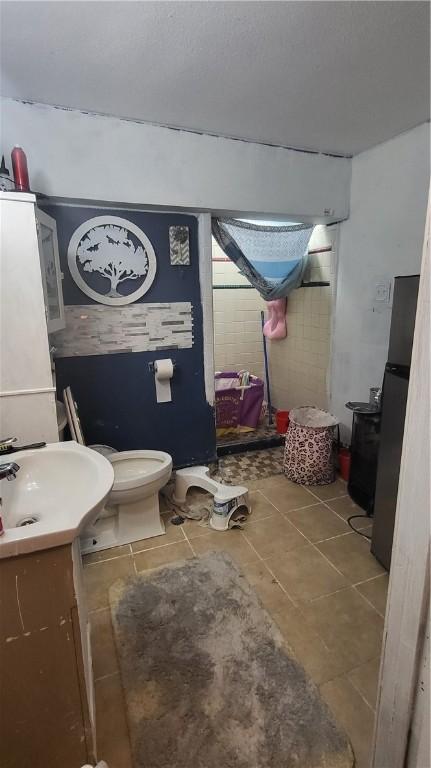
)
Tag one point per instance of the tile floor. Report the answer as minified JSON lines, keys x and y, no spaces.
{"x":317,"y":579}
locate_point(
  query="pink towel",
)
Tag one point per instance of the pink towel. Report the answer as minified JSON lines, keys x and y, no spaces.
{"x":276,"y":326}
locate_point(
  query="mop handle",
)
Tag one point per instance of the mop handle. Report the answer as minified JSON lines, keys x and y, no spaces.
{"x":265,"y":355}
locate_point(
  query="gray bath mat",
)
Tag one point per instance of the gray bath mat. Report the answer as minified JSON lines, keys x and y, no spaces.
{"x":207,"y":682}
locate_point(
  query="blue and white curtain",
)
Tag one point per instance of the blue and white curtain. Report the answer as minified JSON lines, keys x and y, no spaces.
{"x":272,"y":258}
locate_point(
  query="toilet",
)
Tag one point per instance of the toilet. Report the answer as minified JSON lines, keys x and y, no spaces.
{"x":132,"y":510}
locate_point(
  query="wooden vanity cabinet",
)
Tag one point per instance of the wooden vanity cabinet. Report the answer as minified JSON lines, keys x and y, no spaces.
{"x":46,"y":687}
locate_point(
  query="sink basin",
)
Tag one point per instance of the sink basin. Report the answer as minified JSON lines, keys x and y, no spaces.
{"x":58,"y":490}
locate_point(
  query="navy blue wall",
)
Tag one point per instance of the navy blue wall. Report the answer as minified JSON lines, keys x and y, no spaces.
{"x":115,"y":393}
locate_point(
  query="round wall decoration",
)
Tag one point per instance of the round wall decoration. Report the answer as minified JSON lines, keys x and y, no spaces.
{"x":111,"y":260}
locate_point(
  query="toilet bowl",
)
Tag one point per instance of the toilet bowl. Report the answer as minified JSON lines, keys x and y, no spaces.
{"x":132,"y":509}
{"x":138,"y":478}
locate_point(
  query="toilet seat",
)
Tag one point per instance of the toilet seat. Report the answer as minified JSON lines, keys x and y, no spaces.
{"x":133,"y":468}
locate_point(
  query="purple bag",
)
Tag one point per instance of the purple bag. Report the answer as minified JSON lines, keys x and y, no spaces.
{"x":231,"y":411}
{"x":227,"y":403}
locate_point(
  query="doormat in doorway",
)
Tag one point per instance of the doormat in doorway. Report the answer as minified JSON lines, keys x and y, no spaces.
{"x":207,"y":680}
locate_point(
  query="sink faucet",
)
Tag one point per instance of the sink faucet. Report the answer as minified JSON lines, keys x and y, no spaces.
{"x":8,"y":470}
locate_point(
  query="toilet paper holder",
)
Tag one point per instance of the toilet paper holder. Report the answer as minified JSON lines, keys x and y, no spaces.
{"x":151,"y":365}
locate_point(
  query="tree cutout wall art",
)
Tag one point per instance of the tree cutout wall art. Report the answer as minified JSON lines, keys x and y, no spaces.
{"x":111,"y":260}
{"x":109,"y":251}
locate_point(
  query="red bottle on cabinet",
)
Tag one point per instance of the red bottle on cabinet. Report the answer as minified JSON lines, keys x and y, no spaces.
{"x":20,"y":170}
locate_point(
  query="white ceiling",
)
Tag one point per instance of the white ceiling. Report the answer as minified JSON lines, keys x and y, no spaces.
{"x":330,"y":76}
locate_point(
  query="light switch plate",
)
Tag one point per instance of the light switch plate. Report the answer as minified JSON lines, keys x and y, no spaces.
{"x":382,"y":291}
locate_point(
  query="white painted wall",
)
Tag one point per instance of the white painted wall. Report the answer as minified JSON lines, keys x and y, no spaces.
{"x":381,"y":239}
{"x":73,"y":154}
{"x":420,"y":741}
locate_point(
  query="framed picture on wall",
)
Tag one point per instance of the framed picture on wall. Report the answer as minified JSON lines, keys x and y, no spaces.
{"x":179,"y":246}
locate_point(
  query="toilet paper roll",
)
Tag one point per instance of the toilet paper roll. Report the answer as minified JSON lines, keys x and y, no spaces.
{"x":163,"y":371}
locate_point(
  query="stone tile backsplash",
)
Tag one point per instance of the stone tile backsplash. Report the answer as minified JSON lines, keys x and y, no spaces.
{"x":94,"y":329}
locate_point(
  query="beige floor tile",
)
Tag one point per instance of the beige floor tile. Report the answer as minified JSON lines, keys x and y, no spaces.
{"x":365,"y":679}
{"x":113,"y":743}
{"x":351,"y":555}
{"x":194,"y":528}
{"x":99,"y":577}
{"x":348,"y":626}
{"x":317,"y":523}
{"x":260,"y":506}
{"x":346,"y":507}
{"x":154,"y":558}
{"x":106,"y":554}
{"x":284,"y":494}
{"x":231,"y":541}
{"x":273,"y":536}
{"x":330,"y":491}
{"x":376,"y":591}
{"x":318,"y":661}
{"x":173,"y":534}
{"x":261,"y":482}
{"x":102,"y":644}
{"x":305,"y":574}
{"x":266,"y":586}
{"x":353,"y":714}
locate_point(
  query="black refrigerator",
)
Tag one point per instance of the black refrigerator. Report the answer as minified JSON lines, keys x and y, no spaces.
{"x":394,"y":402}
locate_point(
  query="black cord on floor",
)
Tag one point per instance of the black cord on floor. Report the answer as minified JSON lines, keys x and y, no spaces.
{"x":352,"y":517}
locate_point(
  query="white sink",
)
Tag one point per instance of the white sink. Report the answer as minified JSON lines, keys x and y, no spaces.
{"x":62,"y":487}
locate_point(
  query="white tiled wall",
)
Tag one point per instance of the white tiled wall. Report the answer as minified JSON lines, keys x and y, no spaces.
{"x":237,"y":325}
{"x":299,"y":364}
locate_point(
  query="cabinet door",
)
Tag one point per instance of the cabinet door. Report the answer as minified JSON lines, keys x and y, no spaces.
{"x":51,"y":273}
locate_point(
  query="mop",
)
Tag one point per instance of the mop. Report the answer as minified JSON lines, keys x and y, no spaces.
{"x":265,"y":355}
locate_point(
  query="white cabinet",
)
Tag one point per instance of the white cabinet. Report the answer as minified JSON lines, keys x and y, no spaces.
{"x":27,"y":392}
{"x":51,"y":272}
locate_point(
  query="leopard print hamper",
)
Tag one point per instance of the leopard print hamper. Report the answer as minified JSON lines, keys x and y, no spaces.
{"x":309,"y":453}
